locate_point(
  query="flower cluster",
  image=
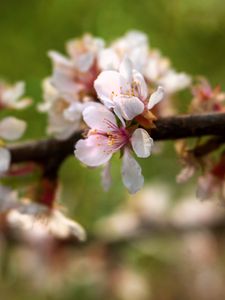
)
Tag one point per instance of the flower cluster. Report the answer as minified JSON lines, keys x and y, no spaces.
{"x":71,"y":85}
{"x":114,"y":126}
{"x":112,"y":89}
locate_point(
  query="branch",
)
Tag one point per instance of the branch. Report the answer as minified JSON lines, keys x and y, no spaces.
{"x":169,"y":128}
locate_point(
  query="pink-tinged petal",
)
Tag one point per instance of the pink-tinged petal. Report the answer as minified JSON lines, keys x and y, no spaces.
{"x":108,"y":59}
{"x":85,"y":61}
{"x":21,"y":104}
{"x":108,"y":85}
{"x":63,"y":80}
{"x":156,"y":97}
{"x":12,"y":94}
{"x":140,"y":85}
{"x":5,"y":159}
{"x":59,"y":60}
{"x":128,"y":107}
{"x":11,"y":128}
{"x":99,"y":117}
{"x":141,"y":142}
{"x":126,"y":69}
{"x":74,"y":112}
{"x":174,"y":82}
{"x":206,"y":187}
{"x":106,"y":177}
{"x":93,"y":151}
{"x":131,"y":173}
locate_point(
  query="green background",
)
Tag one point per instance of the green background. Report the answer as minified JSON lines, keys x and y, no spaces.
{"x":191,"y":33}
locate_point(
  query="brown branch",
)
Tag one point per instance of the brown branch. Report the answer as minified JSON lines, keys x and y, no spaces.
{"x":170,"y":128}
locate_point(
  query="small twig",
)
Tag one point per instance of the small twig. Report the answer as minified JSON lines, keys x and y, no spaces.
{"x":170,"y":128}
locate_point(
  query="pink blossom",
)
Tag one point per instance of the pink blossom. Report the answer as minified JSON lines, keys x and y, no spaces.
{"x":105,"y":138}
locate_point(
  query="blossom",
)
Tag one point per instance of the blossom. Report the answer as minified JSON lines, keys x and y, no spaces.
{"x":75,"y":74}
{"x":206,"y":98}
{"x":105,"y":138}
{"x":11,"y":129}
{"x":158,"y":71}
{"x":134,"y":45}
{"x":212,"y":183}
{"x":36,"y":221}
{"x":126,"y":92}
{"x":10,"y":96}
{"x":70,"y":87}
{"x":64,"y":114}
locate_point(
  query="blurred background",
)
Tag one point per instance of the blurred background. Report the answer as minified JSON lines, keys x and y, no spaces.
{"x":161,"y":266}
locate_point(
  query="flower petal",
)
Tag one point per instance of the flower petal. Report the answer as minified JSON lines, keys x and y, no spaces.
{"x":11,"y":128}
{"x":12,"y":94}
{"x":125,"y":69}
{"x":93,"y":151}
{"x":128,"y":107}
{"x":59,"y":60}
{"x":156,"y":97}
{"x":106,"y":177}
{"x":108,"y":59}
{"x":131,"y":173}
{"x":107,"y":85}
{"x":173,"y":82}
{"x":5,"y":159}
{"x":141,"y":142}
{"x":140,"y":85}
{"x":74,"y":112}
{"x":99,"y":117}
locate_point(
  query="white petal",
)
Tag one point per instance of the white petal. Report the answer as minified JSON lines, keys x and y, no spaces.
{"x":106,"y":177}
{"x":173,"y":82}
{"x":156,"y":97}
{"x":23,"y":103}
{"x":92,"y":152}
{"x":131,"y":173}
{"x":108,"y":59}
{"x":73,"y":112}
{"x":12,"y":128}
{"x":98,"y":117}
{"x":64,"y":82}
{"x":59,"y":60}
{"x":85,"y":62}
{"x":63,"y":227}
{"x":128,"y":107}
{"x":140,"y":84}
{"x":13,"y":93}
{"x":5,"y":159}
{"x":141,"y":142}
{"x":107,"y":85}
{"x":126,"y":69}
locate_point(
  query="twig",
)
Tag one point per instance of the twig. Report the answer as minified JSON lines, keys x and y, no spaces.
{"x":169,"y":128}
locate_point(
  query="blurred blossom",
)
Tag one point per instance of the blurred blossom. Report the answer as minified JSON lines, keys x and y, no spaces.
{"x":206,"y":98}
{"x":191,"y":212}
{"x":76,"y":74}
{"x":134,"y":45}
{"x":64,"y":114}
{"x":128,"y":284}
{"x":212,"y":184}
{"x":11,"y":129}
{"x":36,"y":224}
{"x":149,"y":205}
{"x":10,"y":96}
